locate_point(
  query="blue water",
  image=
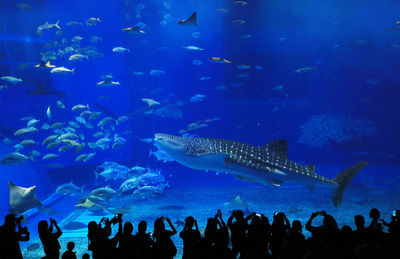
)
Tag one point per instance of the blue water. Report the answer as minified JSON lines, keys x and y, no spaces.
{"x":348,"y":50}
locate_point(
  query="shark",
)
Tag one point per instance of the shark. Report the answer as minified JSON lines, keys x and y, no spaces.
{"x":267,"y":164}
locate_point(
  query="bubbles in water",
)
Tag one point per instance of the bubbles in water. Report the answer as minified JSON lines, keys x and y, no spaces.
{"x":197,"y":62}
{"x":196,"y":35}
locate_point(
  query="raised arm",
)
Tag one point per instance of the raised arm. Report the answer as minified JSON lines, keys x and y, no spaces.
{"x":59,"y":232}
{"x":171,"y":226}
{"x":309,"y":222}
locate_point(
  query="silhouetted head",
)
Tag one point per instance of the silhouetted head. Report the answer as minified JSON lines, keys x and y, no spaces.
{"x":70,"y":246}
{"x":359,"y":221}
{"x":128,"y":228}
{"x":279,"y":218}
{"x":211,"y":228}
{"x":43,"y":227}
{"x":189,"y":222}
{"x":296,"y":226}
{"x":92,"y":226}
{"x":142,"y":227}
{"x":159,"y":227}
{"x":239,"y":215}
{"x":374,"y":213}
{"x":86,"y":256}
{"x":346,"y":230}
{"x":329,"y":222}
{"x":9,"y":222}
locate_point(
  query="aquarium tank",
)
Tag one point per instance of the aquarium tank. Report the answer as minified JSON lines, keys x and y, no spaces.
{"x":174,"y":108}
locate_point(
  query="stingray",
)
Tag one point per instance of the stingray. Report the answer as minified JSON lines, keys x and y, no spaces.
{"x":46,"y":89}
{"x":75,"y":225}
{"x":191,"y":21}
{"x":22,"y":199}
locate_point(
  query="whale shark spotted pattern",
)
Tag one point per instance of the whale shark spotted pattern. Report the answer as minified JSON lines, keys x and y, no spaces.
{"x":266,"y":164}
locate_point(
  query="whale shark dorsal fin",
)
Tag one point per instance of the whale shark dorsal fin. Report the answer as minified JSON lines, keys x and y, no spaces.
{"x":278,"y":146}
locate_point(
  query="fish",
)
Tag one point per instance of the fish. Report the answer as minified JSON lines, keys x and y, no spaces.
{"x":95,"y":39}
{"x":120,"y":50}
{"x":150,"y":102}
{"x":278,"y":88}
{"x":239,"y":21}
{"x":76,"y":57}
{"x":56,"y":125}
{"x":60,"y":105}
{"x":48,"y":26}
{"x":161,"y":155}
{"x":69,"y":141}
{"x":50,"y":156}
{"x":49,"y":139}
{"x":25,"y":131}
{"x":372,"y":81}
{"x":28,"y":142}
{"x":156,"y":72}
{"x":80,"y":107}
{"x":80,"y":119}
{"x":32,"y":123}
{"x":133,"y":30}
{"x":14,"y":158}
{"x":11,"y":79}
{"x":240,"y":3}
{"x":105,"y":193}
{"x":243,"y":66}
{"x":92,"y":21}
{"x":44,"y":65}
{"x":267,"y":164}
{"x":48,"y":113}
{"x":77,"y":39}
{"x":108,"y":82}
{"x":103,"y":143}
{"x":62,"y":70}
{"x":69,"y":189}
{"x":305,"y":70}
{"x":219,"y":60}
{"x":191,"y":21}
{"x":80,"y":148}
{"x":192,"y":48}
{"x":22,"y":199}
{"x":197,"y":98}
{"x":72,"y":23}
{"x":106,"y":121}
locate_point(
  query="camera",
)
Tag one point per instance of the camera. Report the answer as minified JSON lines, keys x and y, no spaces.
{"x":19,"y":219}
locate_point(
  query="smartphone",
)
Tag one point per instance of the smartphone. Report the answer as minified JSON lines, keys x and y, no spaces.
{"x":394,"y":213}
{"x":258,"y":215}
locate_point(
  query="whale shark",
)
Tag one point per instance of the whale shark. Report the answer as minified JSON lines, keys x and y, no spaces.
{"x":267,"y":164}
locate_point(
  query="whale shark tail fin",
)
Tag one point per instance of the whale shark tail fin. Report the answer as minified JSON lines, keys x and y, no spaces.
{"x":344,"y":178}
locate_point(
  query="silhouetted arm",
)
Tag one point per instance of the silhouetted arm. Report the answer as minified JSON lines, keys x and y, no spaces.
{"x":230,"y":219}
{"x":309,"y":222}
{"x":59,"y":232}
{"x":172,"y":227}
{"x":196,"y":226}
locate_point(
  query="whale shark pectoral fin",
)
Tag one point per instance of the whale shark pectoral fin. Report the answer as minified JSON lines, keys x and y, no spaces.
{"x":247,"y":179}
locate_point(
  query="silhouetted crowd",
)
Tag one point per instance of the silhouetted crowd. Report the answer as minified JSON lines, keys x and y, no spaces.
{"x":241,"y":236}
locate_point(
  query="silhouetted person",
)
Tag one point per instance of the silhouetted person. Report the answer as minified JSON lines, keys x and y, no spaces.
{"x":49,"y":239}
{"x":258,"y":236}
{"x":163,"y":245}
{"x":325,"y":238}
{"x":9,"y":237}
{"x":294,"y":246}
{"x":99,"y":242}
{"x":85,"y":256}
{"x":359,"y":234}
{"x":376,"y":224}
{"x":69,"y":254}
{"x":144,"y":242}
{"x":207,"y":243}
{"x":190,"y":239}
{"x":222,"y":250}
{"x":127,"y":245}
{"x":238,"y":232}
{"x":279,"y":230}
